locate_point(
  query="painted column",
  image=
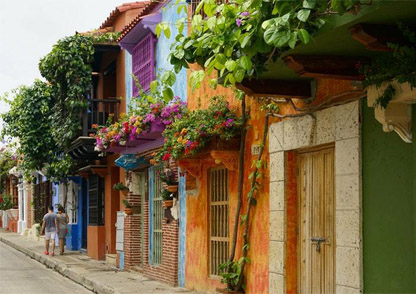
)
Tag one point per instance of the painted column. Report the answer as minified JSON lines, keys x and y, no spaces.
{"x":21,"y":224}
{"x":182,"y":231}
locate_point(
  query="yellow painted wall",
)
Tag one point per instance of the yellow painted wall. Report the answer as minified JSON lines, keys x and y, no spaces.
{"x":197,"y":254}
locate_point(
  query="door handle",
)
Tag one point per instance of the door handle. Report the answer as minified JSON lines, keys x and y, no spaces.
{"x":318,"y":241}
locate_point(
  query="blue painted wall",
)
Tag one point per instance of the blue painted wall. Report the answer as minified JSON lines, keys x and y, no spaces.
{"x":170,"y":15}
{"x":128,"y":78}
{"x":74,"y":237}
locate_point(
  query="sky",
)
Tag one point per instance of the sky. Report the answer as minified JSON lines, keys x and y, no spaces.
{"x":29,"y":28}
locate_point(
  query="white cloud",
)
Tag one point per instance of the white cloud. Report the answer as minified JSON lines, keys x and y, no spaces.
{"x":29,"y":28}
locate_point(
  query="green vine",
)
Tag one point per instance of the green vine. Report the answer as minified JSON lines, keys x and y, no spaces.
{"x":239,"y":38}
{"x":396,"y":65}
{"x":68,"y":68}
{"x":46,"y":117}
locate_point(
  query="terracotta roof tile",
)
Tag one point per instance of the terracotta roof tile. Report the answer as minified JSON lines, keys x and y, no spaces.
{"x":147,"y":10}
{"x":122,"y":8}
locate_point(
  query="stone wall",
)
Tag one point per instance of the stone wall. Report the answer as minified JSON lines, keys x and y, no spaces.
{"x":339,"y":125}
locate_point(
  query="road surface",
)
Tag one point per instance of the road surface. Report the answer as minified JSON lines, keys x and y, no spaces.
{"x":19,"y":274}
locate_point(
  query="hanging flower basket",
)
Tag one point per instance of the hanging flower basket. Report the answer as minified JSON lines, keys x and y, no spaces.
{"x":125,"y":191}
{"x":172,"y":188}
{"x":127,"y":211}
{"x":167,"y":203}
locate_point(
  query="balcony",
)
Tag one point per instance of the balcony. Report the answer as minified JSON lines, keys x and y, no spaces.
{"x":98,"y":112}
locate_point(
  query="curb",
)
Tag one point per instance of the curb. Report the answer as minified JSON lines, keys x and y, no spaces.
{"x":62,"y":269}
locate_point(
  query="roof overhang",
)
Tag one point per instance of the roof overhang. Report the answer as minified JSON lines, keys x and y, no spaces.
{"x":336,"y":39}
{"x":139,"y":28}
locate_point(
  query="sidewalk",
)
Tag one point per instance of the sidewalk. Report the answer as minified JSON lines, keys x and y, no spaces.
{"x":92,"y":274}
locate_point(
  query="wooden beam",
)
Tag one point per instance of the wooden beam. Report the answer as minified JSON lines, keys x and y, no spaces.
{"x":375,"y":37}
{"x":325,"y":66}
{"x":300,"y":89}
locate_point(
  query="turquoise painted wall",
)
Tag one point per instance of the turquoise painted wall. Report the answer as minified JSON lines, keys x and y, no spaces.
{"x":128,"y":81}
{"x":389,"y":209}
{"x":170,"y":15}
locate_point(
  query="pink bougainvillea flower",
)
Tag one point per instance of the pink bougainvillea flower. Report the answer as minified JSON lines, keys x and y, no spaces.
{"x":229,"y":122}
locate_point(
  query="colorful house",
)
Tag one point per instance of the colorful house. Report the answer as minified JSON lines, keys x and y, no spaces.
{"x":339,"y":190}
{"x":333,"y":222}
{"x":152,"y":235}
{"x":98,"y":203}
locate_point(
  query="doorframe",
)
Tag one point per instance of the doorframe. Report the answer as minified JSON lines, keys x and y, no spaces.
{"x":340,"y":125}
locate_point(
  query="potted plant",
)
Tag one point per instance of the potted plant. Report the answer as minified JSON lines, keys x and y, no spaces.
{"x":230,"y":275}
{"x":167,"y":199}
{"x":127,"y":204}
{"x":168,"y":177}
{"x":121,"y":187}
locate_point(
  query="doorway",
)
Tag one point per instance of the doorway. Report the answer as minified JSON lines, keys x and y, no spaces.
{"x":316,"y":221}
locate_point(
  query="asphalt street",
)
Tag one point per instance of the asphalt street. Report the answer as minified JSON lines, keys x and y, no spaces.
{"x":19,"y":274}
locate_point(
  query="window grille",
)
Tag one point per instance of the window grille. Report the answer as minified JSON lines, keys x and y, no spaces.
{"x":219,"y":223}
{"x":73,"y":196}
{"x":143,"y":63}
{"x":96,"y":200}
{"x":157,"y":216}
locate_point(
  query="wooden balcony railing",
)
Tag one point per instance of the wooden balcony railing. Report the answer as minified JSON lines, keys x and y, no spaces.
{"x":98,"y":112}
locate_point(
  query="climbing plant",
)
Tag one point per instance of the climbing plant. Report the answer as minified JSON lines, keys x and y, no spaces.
{"x":395,"y":65}
{"x":238,"y":38}
{"x":47,"y":116}
{"x":68,"y":69}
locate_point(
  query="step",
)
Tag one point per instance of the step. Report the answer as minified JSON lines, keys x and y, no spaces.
{"x":110,"y":259}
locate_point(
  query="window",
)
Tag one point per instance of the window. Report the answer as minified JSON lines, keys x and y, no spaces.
{"x":73,"y":202}
{"x":96,"y":200}
{"x":143,"y":63}
{"x":218,"y":219}
{"x":158,"y":214}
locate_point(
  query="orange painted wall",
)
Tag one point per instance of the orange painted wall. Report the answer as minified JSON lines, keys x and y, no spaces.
{"x":114,"y":174}
{"x":257,"y":273}
{"x":196,"y":276}
{"x":112,"y":205}
{"x":95,"y":241}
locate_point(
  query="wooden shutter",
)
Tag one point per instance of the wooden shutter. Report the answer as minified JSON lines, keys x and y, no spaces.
{"x":316,"y":268}
{"x":157,"y":216}
{"x":143,"y":63}
{"x":96,"y":200}
{"x":218,"y":219}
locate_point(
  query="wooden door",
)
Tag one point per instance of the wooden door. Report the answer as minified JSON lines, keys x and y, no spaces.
{"x":316,"y":229}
